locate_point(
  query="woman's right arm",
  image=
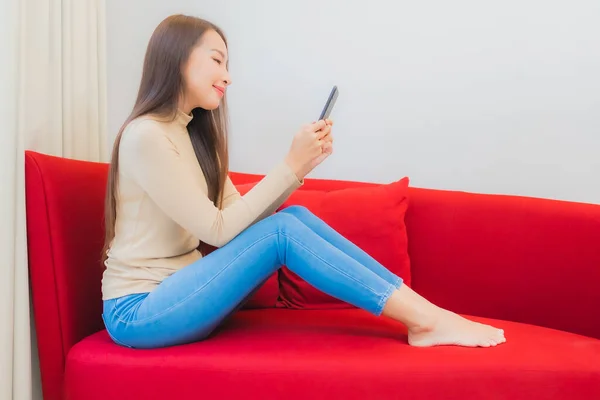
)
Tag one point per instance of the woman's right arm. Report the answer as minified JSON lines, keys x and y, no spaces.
{"x":151,"y":159}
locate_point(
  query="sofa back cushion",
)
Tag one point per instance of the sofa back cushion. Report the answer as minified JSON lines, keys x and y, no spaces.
{"x":523,"y":259}
{"x":65,"y":234}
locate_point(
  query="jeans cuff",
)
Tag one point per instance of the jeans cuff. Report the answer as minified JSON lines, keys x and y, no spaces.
{"x":384,"y":299}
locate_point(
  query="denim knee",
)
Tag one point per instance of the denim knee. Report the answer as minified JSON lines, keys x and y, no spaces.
{"x":287,"y":224}
{"x":284,"y":219}
{"x":296,"y":210}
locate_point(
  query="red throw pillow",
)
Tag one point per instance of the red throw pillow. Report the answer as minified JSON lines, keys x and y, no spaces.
{"x":370,"y":217}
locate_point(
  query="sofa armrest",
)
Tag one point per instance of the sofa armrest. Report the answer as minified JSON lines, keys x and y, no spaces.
{"x":65,"y":212}
{"x":517,"y":258}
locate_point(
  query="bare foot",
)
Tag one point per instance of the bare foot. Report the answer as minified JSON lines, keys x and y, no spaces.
{"x":430,"y":325}
{"x":448,"y":328}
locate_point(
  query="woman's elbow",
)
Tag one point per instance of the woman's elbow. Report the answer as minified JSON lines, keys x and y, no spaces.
{"x":217,"y":240}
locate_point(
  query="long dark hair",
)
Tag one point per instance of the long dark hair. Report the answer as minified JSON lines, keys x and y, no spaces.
{"x":160,"y":89}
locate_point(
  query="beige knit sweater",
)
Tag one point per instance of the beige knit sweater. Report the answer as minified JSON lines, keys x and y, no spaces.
{"x":163,"y":210}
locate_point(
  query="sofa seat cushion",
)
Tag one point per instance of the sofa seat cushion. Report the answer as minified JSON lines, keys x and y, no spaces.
{"x":349,"y":354}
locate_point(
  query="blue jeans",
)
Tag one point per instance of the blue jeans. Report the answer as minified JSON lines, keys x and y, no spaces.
{"x":188,"y":305}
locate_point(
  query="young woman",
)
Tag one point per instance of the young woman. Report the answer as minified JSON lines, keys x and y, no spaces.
{"x":169,"y":193}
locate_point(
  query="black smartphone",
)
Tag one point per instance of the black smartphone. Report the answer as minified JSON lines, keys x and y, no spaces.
{"x":330,"y":103}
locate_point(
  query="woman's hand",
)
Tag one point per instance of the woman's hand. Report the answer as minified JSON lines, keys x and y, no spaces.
{"x":310,"y":147}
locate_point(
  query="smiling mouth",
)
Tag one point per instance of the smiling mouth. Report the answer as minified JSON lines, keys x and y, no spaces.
{"x":219,"y":90}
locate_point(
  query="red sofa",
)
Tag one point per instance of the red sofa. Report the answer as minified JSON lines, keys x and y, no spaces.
{"x":530,"y":266}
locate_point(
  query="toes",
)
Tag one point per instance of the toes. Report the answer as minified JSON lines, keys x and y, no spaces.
{"x":499,"y":335}
{"x":499,"y":340}
{"x":496,"y":340}
{"x":496,"y":337}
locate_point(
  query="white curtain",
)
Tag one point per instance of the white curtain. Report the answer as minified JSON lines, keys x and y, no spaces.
{"x":52,"y":100}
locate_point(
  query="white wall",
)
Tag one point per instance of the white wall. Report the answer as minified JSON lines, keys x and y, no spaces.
{"x":493,"y":97}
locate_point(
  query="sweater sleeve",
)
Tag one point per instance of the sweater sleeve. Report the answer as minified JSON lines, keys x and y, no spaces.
{"x":155,"y":164}
{"x":230,"y":193}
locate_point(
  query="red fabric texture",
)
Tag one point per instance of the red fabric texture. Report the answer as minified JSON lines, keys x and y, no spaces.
{"x":508,"y":257}
{"x":65,"y":234}
{"x":370,"y":217}
{"x":345,"y":354}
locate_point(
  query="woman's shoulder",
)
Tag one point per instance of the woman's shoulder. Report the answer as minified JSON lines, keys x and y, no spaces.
{"x":147,"y":127}
{"x":146,"y":133}
{"x":147,"y":123}
{"x":145,"y":140}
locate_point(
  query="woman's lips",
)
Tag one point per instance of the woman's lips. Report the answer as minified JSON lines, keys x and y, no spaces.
{"x":219,"y":90}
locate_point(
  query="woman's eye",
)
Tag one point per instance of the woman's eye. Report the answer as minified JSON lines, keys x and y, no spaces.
{"x":217,"y":60}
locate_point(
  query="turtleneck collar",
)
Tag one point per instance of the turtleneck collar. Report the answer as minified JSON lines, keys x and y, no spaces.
{"x":183,"y":118}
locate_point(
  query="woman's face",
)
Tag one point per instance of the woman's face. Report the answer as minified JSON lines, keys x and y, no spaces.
{"x":205,"y":74}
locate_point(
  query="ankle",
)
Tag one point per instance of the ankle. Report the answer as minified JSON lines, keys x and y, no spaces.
{"x":425,"y":323}
{"x":412,"y":310}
